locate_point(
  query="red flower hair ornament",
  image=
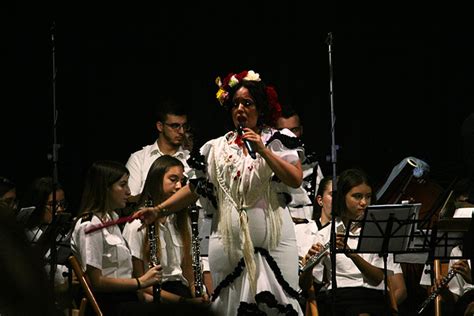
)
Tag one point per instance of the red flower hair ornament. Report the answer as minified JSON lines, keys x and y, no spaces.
{"x":275,"y":107}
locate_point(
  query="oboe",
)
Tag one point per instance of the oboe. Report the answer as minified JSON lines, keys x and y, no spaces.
{"x":317,"y":256}
{"x":154,"y":260}
{"x":198,"y":283}
{"x":443,"y":283}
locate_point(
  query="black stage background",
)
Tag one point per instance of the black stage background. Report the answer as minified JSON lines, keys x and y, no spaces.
{"x":403,"y":79}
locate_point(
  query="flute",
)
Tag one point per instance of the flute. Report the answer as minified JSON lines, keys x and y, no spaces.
{"x":314,"y":259}
{"x":443,"y":283}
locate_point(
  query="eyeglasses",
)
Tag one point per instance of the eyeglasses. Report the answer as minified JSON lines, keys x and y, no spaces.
{"x":59,"y":204}
{"x":177,"y":126}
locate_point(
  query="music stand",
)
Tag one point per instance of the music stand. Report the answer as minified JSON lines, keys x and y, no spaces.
{"x":447,"y":234}
{"x":450,"y":233}
{"x":386,"y":229}
{"x":52,"y":232}
{"x":418,"y":248}
{"x":437,"y":243}
{"x":468,"y":251}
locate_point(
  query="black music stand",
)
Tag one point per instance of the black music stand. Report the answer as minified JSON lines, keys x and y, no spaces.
{"x":386,"y":229}
{"x":437,"y":243}
{"x":54,"y":232}
{"x":449,"y":233}
{"x":468,"y":246}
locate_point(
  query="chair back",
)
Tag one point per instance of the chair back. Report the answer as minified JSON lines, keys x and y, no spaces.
{"x":81,"y":276}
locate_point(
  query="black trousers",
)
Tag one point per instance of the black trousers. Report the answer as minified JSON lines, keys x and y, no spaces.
{"x":178,"y":288}
{"x":168,"y":309}
{"x":127,"y":304}
{"x":111,"y":303}
{"x":351,"y":301}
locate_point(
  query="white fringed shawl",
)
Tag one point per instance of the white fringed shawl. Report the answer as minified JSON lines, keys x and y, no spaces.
{"x":240,"y":182}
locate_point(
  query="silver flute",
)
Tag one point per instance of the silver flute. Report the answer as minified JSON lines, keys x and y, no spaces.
{"x":195,"y":243}
{"x":314,"y":259}
{"x":154,"y":259}
{"x":443,"y":283}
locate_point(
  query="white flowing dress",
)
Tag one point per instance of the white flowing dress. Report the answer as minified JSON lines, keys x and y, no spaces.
{"x":251,"y":223}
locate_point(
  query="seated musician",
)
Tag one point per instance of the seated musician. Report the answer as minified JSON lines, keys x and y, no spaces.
{"x":461,"y":287}
{"x":173,"y":240}
{"x":359,"y":276}
{"x":104,"y":255}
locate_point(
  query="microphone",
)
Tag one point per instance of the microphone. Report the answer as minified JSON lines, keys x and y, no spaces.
{"x":248,"y":144}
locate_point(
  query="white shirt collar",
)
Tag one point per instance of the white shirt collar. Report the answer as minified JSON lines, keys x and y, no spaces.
{"x":155,"y":149}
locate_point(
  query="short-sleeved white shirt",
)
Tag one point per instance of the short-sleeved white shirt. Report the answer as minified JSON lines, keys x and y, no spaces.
{"x":171,"y":247}
{"x":140,"y":162}
{"x":458,"y":285}
{"x":347,"y":273}
{"x":104,"y":249}
{"x":305,"y":234}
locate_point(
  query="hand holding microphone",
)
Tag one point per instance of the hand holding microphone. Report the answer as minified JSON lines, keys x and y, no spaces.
{"x":248,"y":144}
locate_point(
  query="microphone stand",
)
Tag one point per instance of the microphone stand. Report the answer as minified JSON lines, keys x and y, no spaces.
{"x":54,"y":156}
{"x":329,"y":41}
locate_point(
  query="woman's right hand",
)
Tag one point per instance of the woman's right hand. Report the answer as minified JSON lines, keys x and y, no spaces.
{"x":147,"y":215}
{"x":462,"y":268}
{"x":151,"y":277}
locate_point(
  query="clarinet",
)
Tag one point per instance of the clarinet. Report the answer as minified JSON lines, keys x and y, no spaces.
{"x":195,"y":243}
{"x":154,"y":260}
{"x":317,"y":256}
{"x":443,"y":283}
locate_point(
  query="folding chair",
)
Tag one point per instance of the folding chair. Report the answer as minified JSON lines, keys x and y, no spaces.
{"x":90,"y":298}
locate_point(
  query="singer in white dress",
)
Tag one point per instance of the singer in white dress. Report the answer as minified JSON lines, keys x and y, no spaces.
{"x":252,"y":249}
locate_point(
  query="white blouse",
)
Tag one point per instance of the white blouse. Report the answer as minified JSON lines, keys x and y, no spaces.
{"x":347,"y":273}
{"x":458,"y":285}
{"x":104,"y":249}
{"x":305,"y":234}
{"x":171,"y":247}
